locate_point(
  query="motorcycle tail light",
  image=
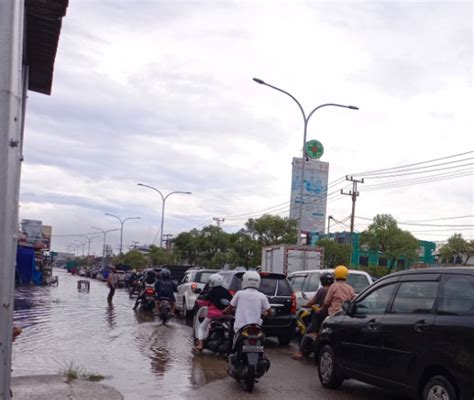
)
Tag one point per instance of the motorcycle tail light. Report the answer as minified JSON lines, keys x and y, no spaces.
{"x":293,"y":304}
{"x":150,"y":292}
{"x":253,"y":330}
{"x":194,"y":286}
{"x":252,"y":341}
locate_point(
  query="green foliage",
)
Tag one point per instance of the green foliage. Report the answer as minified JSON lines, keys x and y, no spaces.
{"x":160,"y":256}
{"x":456,"y":247}
{"x":133,"y":258}
{"x":247,"y":251}
{"x":272,"y":229}
{"x":375,"y":270}
{"x":335,"y":253}
{"x":384,"y":236}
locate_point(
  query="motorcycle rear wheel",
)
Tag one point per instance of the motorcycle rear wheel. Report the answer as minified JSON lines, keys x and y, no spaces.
{"x":250,"y":379}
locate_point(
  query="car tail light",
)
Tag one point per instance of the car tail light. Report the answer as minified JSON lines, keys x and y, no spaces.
{"x":293,"y":303}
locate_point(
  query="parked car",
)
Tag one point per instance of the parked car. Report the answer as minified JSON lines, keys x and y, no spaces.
{"x":410,"y":332}
{"x":191,"y":285}
{"x":306,"y":283}
{"x":282,"y":323}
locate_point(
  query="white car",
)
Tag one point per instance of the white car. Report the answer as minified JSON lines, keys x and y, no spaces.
{"x":192,"y":284}
{"x":305,"y":284}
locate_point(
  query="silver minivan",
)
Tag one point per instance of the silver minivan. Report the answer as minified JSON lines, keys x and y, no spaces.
{"x":305,"y":284}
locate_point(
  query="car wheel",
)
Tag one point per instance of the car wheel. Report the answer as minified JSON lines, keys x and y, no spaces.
{"x":328,"y":371}
{"x":439,"y":388}
{"x":285,"y":339}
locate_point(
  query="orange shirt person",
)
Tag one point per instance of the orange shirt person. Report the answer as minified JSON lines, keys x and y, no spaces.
{"x":339,"y":292}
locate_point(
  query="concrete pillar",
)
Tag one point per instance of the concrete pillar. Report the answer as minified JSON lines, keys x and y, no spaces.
{"x":12,"y":95}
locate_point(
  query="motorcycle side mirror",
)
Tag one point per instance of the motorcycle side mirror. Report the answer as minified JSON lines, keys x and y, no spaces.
{"x":303,"y":295}
{"x":198,"y":291}
{"x":225,"y":302}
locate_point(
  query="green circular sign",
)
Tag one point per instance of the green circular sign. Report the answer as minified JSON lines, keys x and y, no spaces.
{"x":314,"y":149}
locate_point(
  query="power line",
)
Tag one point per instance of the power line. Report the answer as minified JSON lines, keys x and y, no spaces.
{"x":411,"y":165}
{"x":419,"y":172}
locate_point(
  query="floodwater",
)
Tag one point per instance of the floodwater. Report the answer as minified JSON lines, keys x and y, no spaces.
{"x":139,"y":356}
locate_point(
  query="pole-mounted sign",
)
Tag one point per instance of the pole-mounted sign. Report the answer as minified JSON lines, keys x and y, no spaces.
{"x":314,"y":149}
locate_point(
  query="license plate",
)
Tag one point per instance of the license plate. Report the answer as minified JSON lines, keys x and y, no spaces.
{"x":252,"y":349}
{"x":150,"y":298}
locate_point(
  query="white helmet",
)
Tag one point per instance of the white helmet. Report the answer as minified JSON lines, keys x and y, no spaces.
{"x":216,"y":280}
{"x":251,"y":279}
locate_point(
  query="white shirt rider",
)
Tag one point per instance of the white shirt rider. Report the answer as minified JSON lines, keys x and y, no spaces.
{"x":249,"y":305}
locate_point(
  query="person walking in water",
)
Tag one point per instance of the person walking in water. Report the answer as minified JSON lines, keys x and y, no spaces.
{"x":112,"y":281}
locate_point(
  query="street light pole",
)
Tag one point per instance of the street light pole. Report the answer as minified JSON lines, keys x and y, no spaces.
{"x":122,"y":221}
{"x":163,"y":201}
{"x":305,"y":129}
{"x":104,"y":233}
{"x":89,"y":239}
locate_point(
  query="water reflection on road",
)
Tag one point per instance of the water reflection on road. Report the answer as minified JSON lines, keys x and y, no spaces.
{"x":143,"y":358}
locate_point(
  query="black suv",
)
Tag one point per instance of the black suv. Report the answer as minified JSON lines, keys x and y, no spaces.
{"x":281,"y":297}
{"x":411,"y":331}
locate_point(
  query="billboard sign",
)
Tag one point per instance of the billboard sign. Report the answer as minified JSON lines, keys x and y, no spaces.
{"x":314,"y":194}
{"x":31,"y":230}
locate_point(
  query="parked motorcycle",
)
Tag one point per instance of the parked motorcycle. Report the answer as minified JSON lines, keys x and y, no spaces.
{"x":164,"y":310}
{"x":248,"y":361}
{"x":219,"y":338}
{"x":146,"y":301}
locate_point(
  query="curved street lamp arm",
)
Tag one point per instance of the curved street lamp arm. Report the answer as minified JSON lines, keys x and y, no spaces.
{"x":153,"y":188}
{"x":126,"y":219}
{"x":176,"y":192}
{"x":288,"y":94}
{"x":330,"y":105}
{"x":112,"y":215}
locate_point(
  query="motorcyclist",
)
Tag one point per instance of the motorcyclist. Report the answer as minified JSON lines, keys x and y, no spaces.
{"x":214,"y":296}
{"x":149,"y":279}
{"x":249,"y":304}
{"x":339,"y":292}
{"x":319,"y":315}
{"x":165,"y":289}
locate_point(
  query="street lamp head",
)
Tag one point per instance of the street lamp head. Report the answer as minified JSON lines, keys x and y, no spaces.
{"x":353,"y":107}
{"x":188,"y":193}
{"x":260,"y":81}
{"x":140,"y":184}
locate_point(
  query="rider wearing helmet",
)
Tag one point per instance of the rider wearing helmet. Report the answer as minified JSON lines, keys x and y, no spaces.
{"x":218,"y":298}
{"x":326,"y":280}
{"x":339,"y":292}
{"x":165,"y":289}
{"x":249,"y":304}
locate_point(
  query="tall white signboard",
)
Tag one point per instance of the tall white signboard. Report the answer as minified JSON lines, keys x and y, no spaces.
{"x":314,"y":194}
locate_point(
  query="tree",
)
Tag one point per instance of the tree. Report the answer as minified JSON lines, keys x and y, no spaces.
{"x":272,"y":229}
{"x":247,"y":250}
{"x":456,"y":248}
{"x":384,"y":236}
{"x":133,"y":258}
{"x":160,"y":256}
{"x":335,"y":253}
{"x":186,"y":246}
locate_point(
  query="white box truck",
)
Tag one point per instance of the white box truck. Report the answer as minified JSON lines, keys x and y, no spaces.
{"x":286,"y":258}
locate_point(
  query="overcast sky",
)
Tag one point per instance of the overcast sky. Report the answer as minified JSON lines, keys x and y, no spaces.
{"x":161,"y":92}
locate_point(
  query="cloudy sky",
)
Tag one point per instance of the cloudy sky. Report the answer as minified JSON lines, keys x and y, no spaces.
{"x":161,"y":92}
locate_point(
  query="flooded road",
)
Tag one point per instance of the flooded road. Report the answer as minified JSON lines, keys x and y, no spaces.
{"x":140,"y":357}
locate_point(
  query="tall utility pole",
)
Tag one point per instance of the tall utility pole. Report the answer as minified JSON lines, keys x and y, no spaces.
{"x":219,"y":221}
{"x":354,"y":194}
{"x":329,"y":222}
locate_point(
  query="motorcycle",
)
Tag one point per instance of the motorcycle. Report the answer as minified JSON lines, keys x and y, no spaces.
{"x":146,"y":300}
{"x":164,"y":310}
{"x":248,"y":362}
{"x":304,"y":317}
{"x":219,"y":338}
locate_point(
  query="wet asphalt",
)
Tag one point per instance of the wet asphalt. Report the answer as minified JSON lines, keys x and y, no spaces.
{"x":142,"y":358}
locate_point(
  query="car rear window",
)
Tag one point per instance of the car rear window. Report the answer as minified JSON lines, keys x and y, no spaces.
{"x":202,"y":277}
{"x":297,"y":282}
{"x":284,"y":288}
{"x":358,"y":281}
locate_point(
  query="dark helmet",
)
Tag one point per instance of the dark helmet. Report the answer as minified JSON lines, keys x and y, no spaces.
{"x":165,"y":273}
{"x":326,"y":279}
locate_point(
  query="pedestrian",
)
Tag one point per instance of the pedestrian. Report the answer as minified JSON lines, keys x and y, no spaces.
{"x":339,"y":292}
{"x":112,"y":281}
